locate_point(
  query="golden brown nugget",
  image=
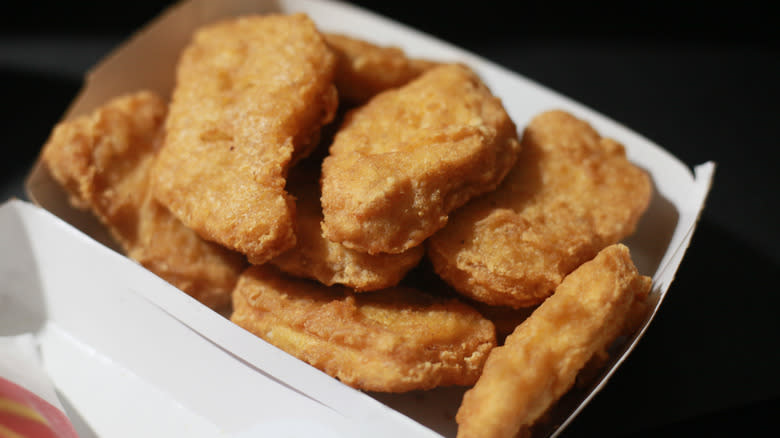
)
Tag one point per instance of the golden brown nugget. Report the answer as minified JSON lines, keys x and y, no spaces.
{"x":251,"y":95}
{"x":394,"y":340}
{"x":571,"y":194}
{"x":363,"y":69}
{"x":103,"y":161}
{"x":540,"y":361}
{"x":401,"y":163}
{"x":329,"y":262}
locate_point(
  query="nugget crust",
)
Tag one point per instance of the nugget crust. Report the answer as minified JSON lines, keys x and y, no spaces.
{"x":401,"y":163}
{"x":540,"y":361}
{"x":103,"y":161}
{"x":364,"y":70}
{"x":330,"y":263}
{"x":571,"y":194}
{"x":251,"y":95}
{"x":393,"y":340}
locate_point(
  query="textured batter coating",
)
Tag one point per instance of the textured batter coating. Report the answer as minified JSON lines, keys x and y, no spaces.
{"x":393,"y":340}
{"x":251,"y":95}
{"x":571,"y":194}
{"x":364,"y":70}
{"x":540,"y":361}
{"x":103,"y":161}
{"x":329,"y":262}
{"x":402,"y":162}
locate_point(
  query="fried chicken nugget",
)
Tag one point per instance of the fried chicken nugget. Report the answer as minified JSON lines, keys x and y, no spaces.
{"x":329,"y":262}
{"x":363,"y":69}
{"x":571,"y":194}
{"x":251,"y":95}
{"x":402,"y":162}
{"x":393,"y":340}
{"x":540,"y":361}
{"x":103,"y":161}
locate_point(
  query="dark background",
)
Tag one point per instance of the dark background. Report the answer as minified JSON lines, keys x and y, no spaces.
{"x":700,"y":79}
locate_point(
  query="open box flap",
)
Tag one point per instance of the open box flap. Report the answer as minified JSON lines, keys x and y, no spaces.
{"x":111,"y":350}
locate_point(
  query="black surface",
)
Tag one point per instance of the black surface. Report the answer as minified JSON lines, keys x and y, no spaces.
{"x":32,"y":104}
{"x":698,"y":79}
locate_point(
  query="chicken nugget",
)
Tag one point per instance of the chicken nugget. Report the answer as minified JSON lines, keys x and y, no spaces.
{"x":402,"y":162}
{"x":251,"y":96}
{"x":540,"y":361}
{"x":103,"y":161}
{"x":571,"y":194}
{"x":363,"y":69}
{"x":394,"y":340}
{"x":329,"y":262}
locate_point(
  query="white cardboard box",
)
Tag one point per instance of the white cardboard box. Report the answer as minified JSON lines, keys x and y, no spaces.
{"x":118,"y":340}
{"x":125,"y":367}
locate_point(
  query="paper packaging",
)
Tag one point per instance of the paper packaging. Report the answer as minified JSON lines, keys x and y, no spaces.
{"x":148,"y":61}
{"x":121,"y":365}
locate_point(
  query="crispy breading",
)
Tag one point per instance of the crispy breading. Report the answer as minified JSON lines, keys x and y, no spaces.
{"x":393,"y":340}
{"x":402,"y":162}
{"x":540,"y":361}
{"x":103,"y":161}
{"x":251,"y":95}
{"x":571,"y":194}
{"x":329,"y":262}
{"x":364,"y":69}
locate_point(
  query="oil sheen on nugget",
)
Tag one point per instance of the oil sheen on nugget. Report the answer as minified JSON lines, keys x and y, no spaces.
{"x":250,"y":98}
{"x":571,"y":194}
{"x":393,"y":340}
{"x":103,"y":161}
{"x":402,"y":162}
{"x":316,"y":257}
{"x":540,"y":361}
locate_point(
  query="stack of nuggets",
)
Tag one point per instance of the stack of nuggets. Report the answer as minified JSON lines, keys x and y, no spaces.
{"x":103,"y":160}
{"x":426,"y":160}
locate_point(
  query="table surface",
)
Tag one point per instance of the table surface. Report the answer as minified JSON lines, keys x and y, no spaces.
{"x":704,"y":85}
